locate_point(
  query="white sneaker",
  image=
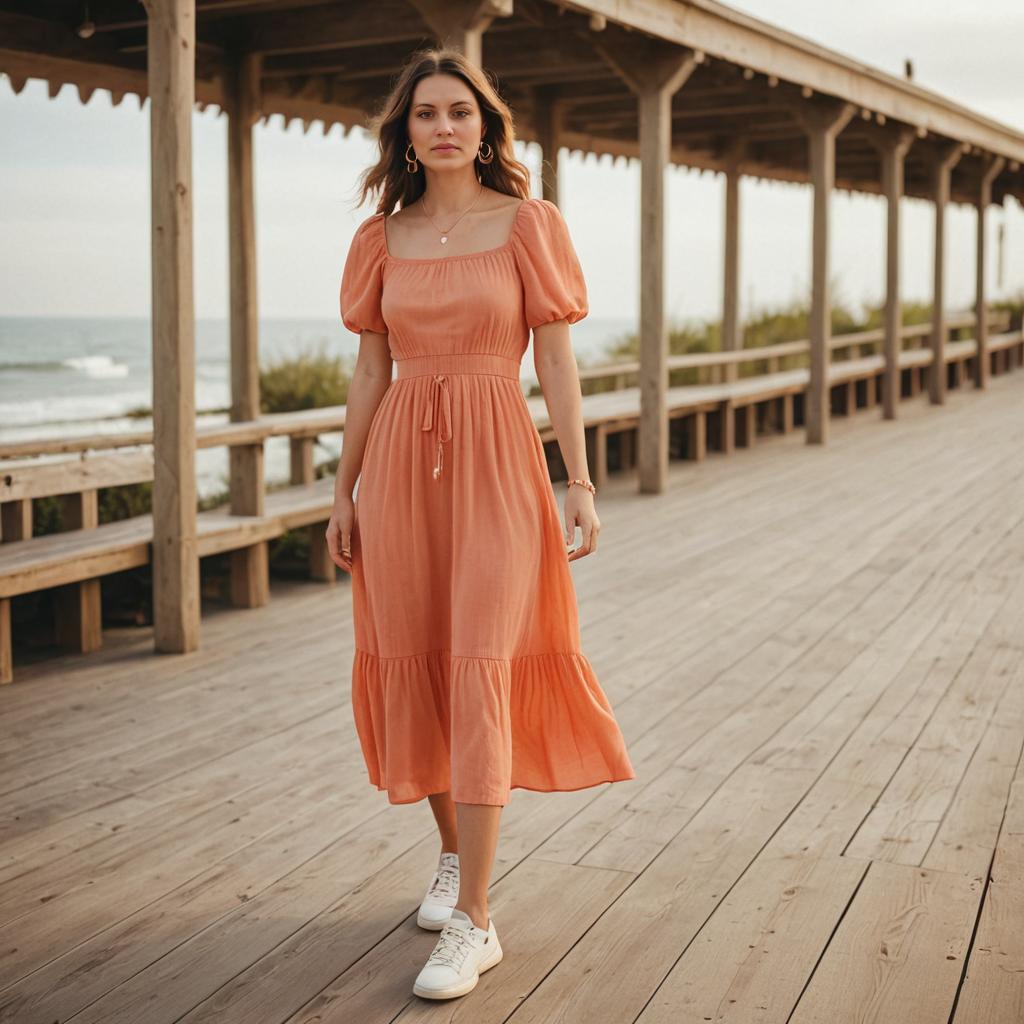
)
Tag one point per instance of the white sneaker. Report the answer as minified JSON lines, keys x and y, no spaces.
{"x":462,"y":954}
{"x":443,"y":894}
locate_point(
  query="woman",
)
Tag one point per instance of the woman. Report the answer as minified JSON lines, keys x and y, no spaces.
{"x":467,"y":678}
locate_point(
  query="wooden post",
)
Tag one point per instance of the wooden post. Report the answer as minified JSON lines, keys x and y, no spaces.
{"x":696,"y":435}
{"x":461,"y":23}
{"x":596,"y":439}
{"x":654,"y":71}
{"x":6,"y":642}
{"x":16,"y":519}
{"x":849,"y":393}
{"x":871,"y":391}
{"x":822,"y":121}
{"x":942,"y":164}
{"x":303,"y":473}
{"x":992,"y":166}
{"x":892,"y":150}
{"x":547,"y":124}
{"x":78,"y":606}
{"x":730,"y":286}
{"x":786,"y":422}
{"x":726,"y":427}
{"x":171,"y":37}
{"x":250,"y":571}
{"x":15,"y":524}
{"x":627,"y":449}
{"x":746,"y":416}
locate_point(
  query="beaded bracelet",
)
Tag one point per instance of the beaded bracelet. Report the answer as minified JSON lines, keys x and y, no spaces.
{"x":584,"y":483}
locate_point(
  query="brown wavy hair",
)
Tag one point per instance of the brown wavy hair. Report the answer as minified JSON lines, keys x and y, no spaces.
{"x":389,"y":176}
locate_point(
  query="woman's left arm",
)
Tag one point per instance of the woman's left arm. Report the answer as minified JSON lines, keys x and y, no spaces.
{"x":559,"y":380}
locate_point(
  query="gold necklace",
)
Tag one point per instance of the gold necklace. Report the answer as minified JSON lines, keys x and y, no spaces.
{"x":444,"y":234}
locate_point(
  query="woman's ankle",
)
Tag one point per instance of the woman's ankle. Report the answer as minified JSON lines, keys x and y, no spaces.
{"x":480,"y":916}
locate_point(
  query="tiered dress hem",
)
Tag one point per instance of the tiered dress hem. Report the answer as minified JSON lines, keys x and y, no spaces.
{"x":537,"y":721}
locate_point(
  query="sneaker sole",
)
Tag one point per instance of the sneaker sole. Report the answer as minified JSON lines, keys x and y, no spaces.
{"x":468,"y":985}
{"x":431,"y":926}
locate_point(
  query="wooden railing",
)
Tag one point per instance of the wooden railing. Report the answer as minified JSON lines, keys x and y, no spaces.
{"x":719,"y":364}
{"x":719,"y":415}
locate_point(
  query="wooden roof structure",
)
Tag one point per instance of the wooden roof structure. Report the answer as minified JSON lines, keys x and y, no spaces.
{"x":331,"y":61}
{"x":689,"y":82}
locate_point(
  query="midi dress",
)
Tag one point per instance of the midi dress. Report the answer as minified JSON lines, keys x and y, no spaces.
{"x":467,"y":672}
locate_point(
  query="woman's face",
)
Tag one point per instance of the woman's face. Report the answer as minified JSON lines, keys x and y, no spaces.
{"x":445,"y":124}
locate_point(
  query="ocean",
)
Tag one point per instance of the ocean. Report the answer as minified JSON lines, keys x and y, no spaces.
{"x":74,"y":376}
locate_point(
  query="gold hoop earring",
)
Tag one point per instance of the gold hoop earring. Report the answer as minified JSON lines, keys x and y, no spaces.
{"x":490,"y":153}
{"x":411,"y":164}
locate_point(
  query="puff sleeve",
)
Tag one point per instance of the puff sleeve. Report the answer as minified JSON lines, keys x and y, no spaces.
{"x":362,"y":280}
{"x":553,"y":283}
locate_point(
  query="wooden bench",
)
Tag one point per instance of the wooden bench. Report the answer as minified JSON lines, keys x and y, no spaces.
{"x":75,"y":560}
{"x":76,"y":484}
{"x":733,"y":407}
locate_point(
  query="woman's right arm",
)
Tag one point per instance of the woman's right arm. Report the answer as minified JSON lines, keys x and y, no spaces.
{"x":371,"y":378}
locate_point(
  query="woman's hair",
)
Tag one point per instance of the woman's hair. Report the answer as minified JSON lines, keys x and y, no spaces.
{"x":389,"y":176}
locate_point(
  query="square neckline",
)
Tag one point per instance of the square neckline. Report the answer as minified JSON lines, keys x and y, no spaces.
{"x":456,"y":256}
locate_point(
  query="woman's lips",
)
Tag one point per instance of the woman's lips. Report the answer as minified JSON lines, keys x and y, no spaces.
{"x":446,"y":147}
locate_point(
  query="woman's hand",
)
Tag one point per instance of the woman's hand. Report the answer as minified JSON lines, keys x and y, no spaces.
{"x":339,"y":532}
{"x":580,"y":511}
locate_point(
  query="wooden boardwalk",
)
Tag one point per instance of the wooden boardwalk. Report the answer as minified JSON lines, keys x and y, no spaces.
{"x":817,"y":658}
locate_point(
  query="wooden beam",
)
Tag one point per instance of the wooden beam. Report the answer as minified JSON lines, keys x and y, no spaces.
{"x":822,"y":120}
{"x":68,"y":476}
{"x":250,"y":581}
{"x":461,"y":23}
{"x":654,"y":72}
{"x":60,"y":58}
{"x":941,"y":163}
{"x":727,"y":34}
{"x":760,"y":163}
{"x":731,"y":340}
{"x":892,"y":146}
{"x":171,"y":78}
{"x":548,"y":114}
{"x":990,"y":170}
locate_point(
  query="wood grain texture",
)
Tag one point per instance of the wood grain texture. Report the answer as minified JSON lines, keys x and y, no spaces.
{"x":815,"y":657}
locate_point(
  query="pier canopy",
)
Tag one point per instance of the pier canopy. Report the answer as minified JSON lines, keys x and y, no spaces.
{"x":684,"y":82}
{"x":565,"y":68}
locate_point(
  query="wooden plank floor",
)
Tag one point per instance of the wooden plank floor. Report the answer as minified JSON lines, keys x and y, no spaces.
{"x":817,"y":657}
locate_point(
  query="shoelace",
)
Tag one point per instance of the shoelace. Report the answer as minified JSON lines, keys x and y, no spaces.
{"x":444,"y":885}
{"x":452,"y":948}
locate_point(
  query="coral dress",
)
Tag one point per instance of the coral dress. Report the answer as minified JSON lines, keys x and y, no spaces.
{"x":467,"y":672}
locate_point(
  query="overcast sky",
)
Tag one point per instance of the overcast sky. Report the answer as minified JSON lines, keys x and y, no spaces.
{"x":74,"y":189}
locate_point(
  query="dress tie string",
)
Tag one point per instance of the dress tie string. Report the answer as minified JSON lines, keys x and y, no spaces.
{"x":440,"y":395}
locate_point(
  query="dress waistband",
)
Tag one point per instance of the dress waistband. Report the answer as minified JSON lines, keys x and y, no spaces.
{"x":457,"y":362}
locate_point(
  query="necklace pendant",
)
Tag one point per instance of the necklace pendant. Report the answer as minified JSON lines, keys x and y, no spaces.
{"x":444,"y":238}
